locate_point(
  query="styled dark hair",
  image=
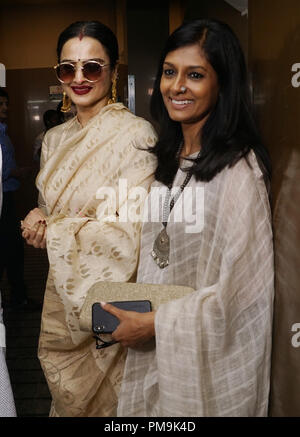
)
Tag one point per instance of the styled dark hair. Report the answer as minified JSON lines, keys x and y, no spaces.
{"x":230,"y":131}
{"x":3,"y":93}
{"x":93,"y":29}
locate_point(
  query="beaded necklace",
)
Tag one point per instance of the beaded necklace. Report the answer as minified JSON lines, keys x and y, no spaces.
{"x":161,"y":247}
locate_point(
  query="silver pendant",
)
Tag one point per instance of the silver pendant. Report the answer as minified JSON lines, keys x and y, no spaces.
{"x":161,"y":249}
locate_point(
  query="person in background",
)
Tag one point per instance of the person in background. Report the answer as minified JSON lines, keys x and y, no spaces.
{"x":103,"y":147}
{"x":7,"y":404}
{"x":51,"y":118}
{"x":11,"y":243}
{"x":212,"y":349}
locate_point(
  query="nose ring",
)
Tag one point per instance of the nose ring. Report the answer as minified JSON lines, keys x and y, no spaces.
{"x":183,"y":89}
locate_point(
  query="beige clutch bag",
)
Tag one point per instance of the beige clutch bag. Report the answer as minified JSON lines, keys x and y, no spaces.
{"x":125,"y":291}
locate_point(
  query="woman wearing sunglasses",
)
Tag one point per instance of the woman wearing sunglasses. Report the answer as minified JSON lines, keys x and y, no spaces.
{"x":213,"y":347}
{"x":82,"y":162}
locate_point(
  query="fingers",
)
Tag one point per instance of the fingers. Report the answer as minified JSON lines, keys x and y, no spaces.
{"x":25,"y":224}
{"x":39,"y":236}
{"x":25,"y":234}
{"x":112,"y":310}
{"x":36,"y":236}
{"x":34,"y":228}
{"x":29,"y":235}
{"x":33,"y":217}
{"x":135,"y":329}
{"x":44,"y":241}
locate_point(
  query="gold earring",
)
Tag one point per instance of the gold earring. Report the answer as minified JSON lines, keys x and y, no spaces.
{"x":66,"y":103}
{"x":113,"y":98}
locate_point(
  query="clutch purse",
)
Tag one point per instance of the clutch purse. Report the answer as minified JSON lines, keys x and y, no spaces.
{"x":157,"y":294}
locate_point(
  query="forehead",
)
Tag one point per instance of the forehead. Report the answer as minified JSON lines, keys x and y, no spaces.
{"x":85,"y":48}
{"x":192,"y":55}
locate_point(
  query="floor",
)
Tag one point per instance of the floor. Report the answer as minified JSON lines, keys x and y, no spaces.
{"x":32,"y":397}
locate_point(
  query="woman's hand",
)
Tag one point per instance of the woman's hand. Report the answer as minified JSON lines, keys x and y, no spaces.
{"x":134,"y":329}
{"x":34,"y":228}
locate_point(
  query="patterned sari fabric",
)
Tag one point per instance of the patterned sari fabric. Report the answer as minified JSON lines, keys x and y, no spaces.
{"x":87,"y":175}
{"x":213,"y":347}
{"x":7,"y":405}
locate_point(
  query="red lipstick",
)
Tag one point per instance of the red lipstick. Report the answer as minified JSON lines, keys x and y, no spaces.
{"x":81,"y":90}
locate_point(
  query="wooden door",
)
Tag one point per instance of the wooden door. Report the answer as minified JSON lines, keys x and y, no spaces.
{"x":274,"y":59}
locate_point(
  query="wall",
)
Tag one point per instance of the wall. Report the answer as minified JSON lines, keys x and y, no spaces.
{"x":29,"y":30}
{"x":148,"y":29}
{"x":220,"y":10}
{"x":274,"y":41}
{"x":176,"y":14}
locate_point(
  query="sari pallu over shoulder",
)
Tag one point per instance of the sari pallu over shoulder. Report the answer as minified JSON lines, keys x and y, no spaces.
{"x":84,"y":247}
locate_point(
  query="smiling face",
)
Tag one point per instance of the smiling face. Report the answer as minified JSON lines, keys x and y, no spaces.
{"x":84,"y":94}
{"x":189,"y":85}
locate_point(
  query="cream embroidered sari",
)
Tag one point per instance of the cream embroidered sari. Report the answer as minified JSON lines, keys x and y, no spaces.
{"x":83,"y":247}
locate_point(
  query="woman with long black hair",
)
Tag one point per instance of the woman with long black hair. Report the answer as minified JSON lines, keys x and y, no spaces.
{"x":212,"y":354}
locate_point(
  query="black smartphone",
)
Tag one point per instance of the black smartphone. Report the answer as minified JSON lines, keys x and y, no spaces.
{"x":105,"y":323}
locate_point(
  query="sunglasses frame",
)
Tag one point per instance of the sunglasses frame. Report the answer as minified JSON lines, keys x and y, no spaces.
{"x":75,"y":66}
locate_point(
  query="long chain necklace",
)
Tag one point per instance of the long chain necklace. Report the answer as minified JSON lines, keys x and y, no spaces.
{"x":161,"y":247}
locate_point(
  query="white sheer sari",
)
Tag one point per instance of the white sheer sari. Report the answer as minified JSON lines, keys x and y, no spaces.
{"x":212,"y":355}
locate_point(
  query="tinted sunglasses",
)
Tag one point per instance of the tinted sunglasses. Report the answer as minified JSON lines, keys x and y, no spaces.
{"x":91,"y":70}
